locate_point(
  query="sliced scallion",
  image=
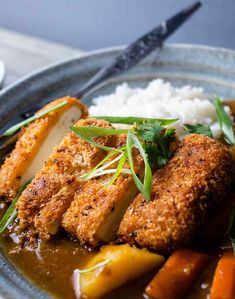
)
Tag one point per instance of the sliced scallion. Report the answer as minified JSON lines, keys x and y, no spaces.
{"x":145,"y":188}
{"x":97,"y":266}
{"x":18,"y":126}
{"x":120,"y":168}
{"x":87,"y":133}
{"x":129,"y":120}
{"x":225,"y":122}
{"x":11,"y":212}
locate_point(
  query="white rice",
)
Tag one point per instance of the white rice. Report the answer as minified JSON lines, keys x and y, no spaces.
{"x":160,"y":100}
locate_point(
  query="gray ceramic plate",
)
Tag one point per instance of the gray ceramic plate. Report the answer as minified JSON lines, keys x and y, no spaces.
{"x":211,"y":68}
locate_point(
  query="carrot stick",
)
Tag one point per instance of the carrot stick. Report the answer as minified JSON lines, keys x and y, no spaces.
{"x":223,"y":286}
{"x":177,"y":275}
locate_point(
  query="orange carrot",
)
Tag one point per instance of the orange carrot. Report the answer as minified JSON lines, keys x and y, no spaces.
{"x":223,"y":286}
{"x":177,"y":275}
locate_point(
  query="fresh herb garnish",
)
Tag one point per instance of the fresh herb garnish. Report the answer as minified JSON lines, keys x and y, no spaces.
{"x":150,"y":138}
{"x":89,"y":132}
{"x":120,"y":168}
{"x":129,"y":120}
{"x":225,"y":122}
{"x":97,"y":167}
{"x":11,"y":212}
{"x":18,"y":126}
{"x":145,"y":188}
{"x":199,"y":129}
{"x":97,"y":266}
{"x":156,"y":141}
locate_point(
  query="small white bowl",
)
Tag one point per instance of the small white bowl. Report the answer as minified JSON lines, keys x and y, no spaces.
{"x":2,"y":72}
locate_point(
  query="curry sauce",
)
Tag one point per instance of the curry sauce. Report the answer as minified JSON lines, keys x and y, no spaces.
{"x":50,"y":266}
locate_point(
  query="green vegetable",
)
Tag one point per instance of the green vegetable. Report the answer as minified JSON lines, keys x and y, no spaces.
{"x":91,"y":131}
{"x":119,"y":169}
{"x":93,"y":170}
{"x":129,"y":120}
{"x":145,"y":188}
{"x":11,"y":212}
{"x":18,"y":126}
{"x":225,"y":122}
{"x":199,"y":129}
{"x":150,"y":138}
{"x":156,"y":142}
{"x":97,"y":266}
{"x":87,"y":133}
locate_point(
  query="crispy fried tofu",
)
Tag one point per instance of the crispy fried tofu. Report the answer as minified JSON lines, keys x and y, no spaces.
{"x":52,"y":190}
{"x":182,"y":192}
{"x":35,"y":144}
{"x":96,"y":212}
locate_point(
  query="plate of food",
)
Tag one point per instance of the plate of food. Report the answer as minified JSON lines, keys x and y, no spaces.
{"x":128,"y":192}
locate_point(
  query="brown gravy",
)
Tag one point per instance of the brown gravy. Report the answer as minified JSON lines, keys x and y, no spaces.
{"x":51,"y":267}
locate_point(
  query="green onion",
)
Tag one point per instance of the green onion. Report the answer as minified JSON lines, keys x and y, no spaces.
{"x":90,"y":131}
{"x":129,"y":120}
{"x":87,"y":133}
{"x":199,"y":129}
{"x":106,"y":158}
{"x":145,"y":188}
{"x":225,"y":122}
{"x":18,"y":126}
{"x":97,"y":266}
{"x":119,"y":168}
{"x":108,"y":171}
{"x":11,"y":212}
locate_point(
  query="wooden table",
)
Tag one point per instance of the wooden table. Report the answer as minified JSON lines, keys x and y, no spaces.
{"x":23,"y":54}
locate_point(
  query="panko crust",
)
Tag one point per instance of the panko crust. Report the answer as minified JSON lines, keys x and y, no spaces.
{"x":182,"y":192}
{"x":28,"y":144}
{"x":51,"y":191}
{"x":97,"y":210}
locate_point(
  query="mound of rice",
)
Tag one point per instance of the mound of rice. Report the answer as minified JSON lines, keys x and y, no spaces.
{"x":160,"y":100}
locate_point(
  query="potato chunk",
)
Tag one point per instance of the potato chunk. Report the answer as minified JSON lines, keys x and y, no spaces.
{"x":126,"y":263}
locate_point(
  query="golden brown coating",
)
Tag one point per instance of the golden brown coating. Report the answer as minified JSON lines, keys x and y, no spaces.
{"x":28,"y":145}
{"x":96,"y":212}
{"x":181,"y":194}
{"x":51,"y":191}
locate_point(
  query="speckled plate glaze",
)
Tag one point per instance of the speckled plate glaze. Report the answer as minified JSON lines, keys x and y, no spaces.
{"x":211,"y":68}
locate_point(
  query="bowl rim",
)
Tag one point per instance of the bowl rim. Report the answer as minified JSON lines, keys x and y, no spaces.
{"x":85,"y":55}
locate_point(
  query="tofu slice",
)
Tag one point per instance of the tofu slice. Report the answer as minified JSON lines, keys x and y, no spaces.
{"x":96,"y":212}
{"x":50,"y":193}
{"x":35,"y":144}
{"x":182,"y":192}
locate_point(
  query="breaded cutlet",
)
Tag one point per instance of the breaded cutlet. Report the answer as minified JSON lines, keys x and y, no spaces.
{"x":96,"y":212}
{"x":51,"y":191}
{"x":36,"y":143}
{"x":182,"y":192}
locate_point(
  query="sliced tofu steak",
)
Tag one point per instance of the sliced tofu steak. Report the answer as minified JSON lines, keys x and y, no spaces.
{"x":36,"y":143}
{"x":50,"y":193}
{"x":96,"y":212}
{"x":182,"y":192}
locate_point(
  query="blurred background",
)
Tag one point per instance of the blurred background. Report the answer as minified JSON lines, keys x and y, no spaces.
{"x":92,"y":24}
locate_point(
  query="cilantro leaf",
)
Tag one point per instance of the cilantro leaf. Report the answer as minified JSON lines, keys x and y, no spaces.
{"x":156,"y":141}
{"x":199,"y":129}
